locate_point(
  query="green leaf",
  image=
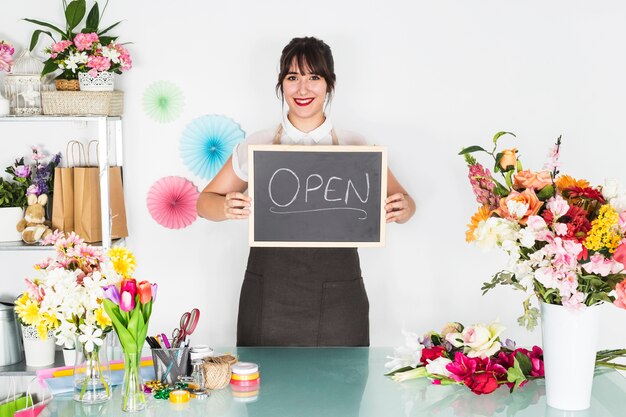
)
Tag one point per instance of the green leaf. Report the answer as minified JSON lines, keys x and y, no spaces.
{"x":524,"y":363}
{"x":48,"y":25}
{"x":93,"y":18}
{"x":133,"y":323}
{"x":74,"y":13}
{"x":48,"y":67}
{"x":109,"y":28}
{"x":142,"y":330}
{"x":508,"y":176}
{"x":546,"y":193}
{"x":35,"y":38}
{"x":499,"y":134}
{"x":471,"y":149}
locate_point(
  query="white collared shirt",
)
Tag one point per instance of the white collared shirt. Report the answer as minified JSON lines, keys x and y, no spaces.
{"x":291,"y":136}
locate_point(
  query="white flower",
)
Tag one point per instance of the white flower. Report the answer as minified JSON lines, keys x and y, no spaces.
{"x":407,"y":355}
{"x":74,"y":59}
{"x":493,"y":231}
{"x":90,"y":337}
{"x":438,"y":366}
{"x":611,"y":188}
{"x":111,"y":53}
{"x":66,"y":335}
{"x":526,"y":237}
{"x":517,"y":209}
{"x":479,"y":340}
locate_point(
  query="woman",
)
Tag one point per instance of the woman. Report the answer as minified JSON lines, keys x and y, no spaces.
{"x":299,"y":296}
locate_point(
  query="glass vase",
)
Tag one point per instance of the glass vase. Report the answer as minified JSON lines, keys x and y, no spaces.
{"x":92,"y":375}
{"x":133,"y":397}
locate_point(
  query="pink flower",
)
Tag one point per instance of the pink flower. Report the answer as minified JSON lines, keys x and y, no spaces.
{"x":35,"y":292}
{"x":85,"y":40}
{"x":6,"y":61}
{"x":558,"y":206}
{"x":553,"y":159}
{"x":60,"y":46}
{"x":93,"y":72}
{"x":575,"y":302}
{"x":598,"y":264}
{"x":560,"y":229}
{"x":621,"y":222}
{"x":620,"y":300}
{"x":620,"y":254}
{"x":99,"y":63}
{"x":483,"y":186}
{"x":462,"y":367}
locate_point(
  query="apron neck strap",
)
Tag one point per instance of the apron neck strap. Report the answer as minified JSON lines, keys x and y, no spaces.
{"x":279,"y":133}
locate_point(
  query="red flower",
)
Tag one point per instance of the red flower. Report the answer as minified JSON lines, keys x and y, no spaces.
{"x":484,"y":383}
{"x":462,"y":367}
{"x":577,"y":223}
{"x":586,"y":193}
{"x":432,"y":353}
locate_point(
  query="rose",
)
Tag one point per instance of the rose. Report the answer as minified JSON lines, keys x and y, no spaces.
{"x":432,"y":353}
{"x":22,"y":171}
{"x":519,"y":206}
{"x":528,"y":179}
{"x":479,"y":340}
{"x":508,"y":159}
{"x":482,"y":383}
{"x":620,"y":254}
{"x":620,"y":299}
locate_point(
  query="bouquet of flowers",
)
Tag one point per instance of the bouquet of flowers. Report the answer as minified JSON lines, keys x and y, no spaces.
{"x":566,"y":239}
{"x":472,"y":356}
{"x":36,"y":176}
{"x":82,"y":50}
{"x":6,"y":58}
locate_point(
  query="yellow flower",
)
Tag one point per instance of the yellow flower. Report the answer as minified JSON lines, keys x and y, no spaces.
{"x":604,"y":231}
{"x":42,"y":330}
{"x":102,"y":319}
{"x":481,"y":214}
{"x":565,"y":181}
{"x":123,"y":261}
{"x":28,"y":311}
{"x":50,"y":320}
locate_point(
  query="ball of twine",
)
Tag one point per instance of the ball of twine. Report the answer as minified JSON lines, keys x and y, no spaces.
{"x":216,"y":371}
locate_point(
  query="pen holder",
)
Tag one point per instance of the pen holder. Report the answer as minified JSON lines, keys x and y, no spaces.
{"x":169,"y":364}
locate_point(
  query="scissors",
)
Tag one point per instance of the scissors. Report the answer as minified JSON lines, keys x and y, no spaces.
{"x":188,"y":323}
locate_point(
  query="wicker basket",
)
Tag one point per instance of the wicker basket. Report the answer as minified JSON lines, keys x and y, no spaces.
{"x":101,"y":103}
{"x":67,"y":85}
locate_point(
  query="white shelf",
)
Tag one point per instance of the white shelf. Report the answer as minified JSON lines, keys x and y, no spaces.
{"x":21,"y":246}
{"x":85,"y":118}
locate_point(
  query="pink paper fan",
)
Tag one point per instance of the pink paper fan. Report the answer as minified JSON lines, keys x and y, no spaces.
{"x":172,"y":202}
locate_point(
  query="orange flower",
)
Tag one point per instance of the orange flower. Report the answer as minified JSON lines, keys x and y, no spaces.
{"x":519,"y":206}
{"x":565,"y":181}
{"x":482,"y":214}
{"x":508,"y":158}
{"x":528,"y":179}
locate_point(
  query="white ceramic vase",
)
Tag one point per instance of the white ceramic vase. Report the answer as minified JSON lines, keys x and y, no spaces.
{"x":38,"y":352}
{"x":102,"y":82}
{"x":569,"y":353}
{"x":9,"y":217}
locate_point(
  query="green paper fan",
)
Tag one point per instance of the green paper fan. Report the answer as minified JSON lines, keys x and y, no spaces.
{"x":163,"y":101}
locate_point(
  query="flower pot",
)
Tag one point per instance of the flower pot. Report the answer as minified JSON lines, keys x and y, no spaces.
{"x":9,"y":217}
{"x":102,"y":82}
{"x":38,"y":352}
{"x":69,"y":357}
{"x":67,"y":85}
{"x":569,"y":353}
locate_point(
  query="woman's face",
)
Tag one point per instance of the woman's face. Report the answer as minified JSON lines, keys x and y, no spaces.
{"x":305,"y":95}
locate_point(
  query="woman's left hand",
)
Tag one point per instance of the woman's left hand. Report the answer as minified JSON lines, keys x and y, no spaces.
{"x":397,"y":208}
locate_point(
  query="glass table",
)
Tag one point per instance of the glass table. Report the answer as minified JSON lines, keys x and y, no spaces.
{"x":350,"y":382}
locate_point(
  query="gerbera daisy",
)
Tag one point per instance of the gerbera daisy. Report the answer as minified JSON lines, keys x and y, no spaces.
{"x":482,"y":214}
{"x":123,"y":261}
{"x":565,"y":181}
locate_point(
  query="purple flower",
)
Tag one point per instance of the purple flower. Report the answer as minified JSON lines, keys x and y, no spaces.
{"x":509,"y":344}
{"x":22,"y":171}
{"x":112,"y":293}
{"x":154,"y":292}
{"x":34,"y":189}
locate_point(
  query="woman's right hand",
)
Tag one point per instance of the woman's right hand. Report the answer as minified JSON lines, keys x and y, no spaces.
{"x":237,"y":206}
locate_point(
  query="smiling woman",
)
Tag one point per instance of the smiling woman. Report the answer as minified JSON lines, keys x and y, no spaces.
{"x":299,"y":296}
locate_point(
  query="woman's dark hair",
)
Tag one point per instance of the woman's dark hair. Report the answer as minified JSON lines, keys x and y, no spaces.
{"x":312,"y":55}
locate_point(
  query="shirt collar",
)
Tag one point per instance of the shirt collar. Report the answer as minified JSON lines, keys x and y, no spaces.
{"x":316,"y":134}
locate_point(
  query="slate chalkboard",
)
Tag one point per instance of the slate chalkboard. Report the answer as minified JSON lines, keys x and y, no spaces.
{"x":317,"y":196}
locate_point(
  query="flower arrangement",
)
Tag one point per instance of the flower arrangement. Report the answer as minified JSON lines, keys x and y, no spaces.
{"x":89,"y":49}
{"x":472,"y":356}
{"x":6,"y":56}
{"x":35,"y":176}
{"x":566,"y":239}
{"x":475,"y":357}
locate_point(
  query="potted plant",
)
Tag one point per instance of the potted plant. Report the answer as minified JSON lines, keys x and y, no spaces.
{"x":81,"y":51}
{"x":12,"y":202}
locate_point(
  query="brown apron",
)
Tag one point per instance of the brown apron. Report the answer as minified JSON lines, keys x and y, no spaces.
{"x":303,"y":296}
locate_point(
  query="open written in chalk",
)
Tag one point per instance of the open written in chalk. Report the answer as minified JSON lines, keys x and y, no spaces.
{"x":317,"y":196}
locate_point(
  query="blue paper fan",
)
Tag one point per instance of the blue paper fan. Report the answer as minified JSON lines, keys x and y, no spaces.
{"x":207,"y":142}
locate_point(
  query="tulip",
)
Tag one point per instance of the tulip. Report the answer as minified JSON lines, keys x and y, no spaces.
{"x":112,"y":293}
{"x":127,"y":301}
{"x":145,"y":292}
{"x":129,"y":285}
{"x":154,"y":292}
{"x":508,"y":159}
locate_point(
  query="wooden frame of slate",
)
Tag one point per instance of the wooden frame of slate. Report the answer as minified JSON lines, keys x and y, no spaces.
{"x":317,"y":196}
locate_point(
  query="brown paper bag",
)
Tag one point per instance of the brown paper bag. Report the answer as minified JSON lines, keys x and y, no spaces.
{"x":63,"y":192}
{"x":87,"y":213}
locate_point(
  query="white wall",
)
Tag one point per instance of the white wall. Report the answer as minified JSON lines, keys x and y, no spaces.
{"x":422,"y":78}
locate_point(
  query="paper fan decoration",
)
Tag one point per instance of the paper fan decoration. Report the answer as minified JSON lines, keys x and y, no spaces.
{"x":163,"y":101}
{"x":172,"y":202}
{"x":207,"y":142}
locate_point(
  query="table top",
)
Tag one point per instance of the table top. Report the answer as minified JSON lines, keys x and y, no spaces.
{"x":350,"y":382}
